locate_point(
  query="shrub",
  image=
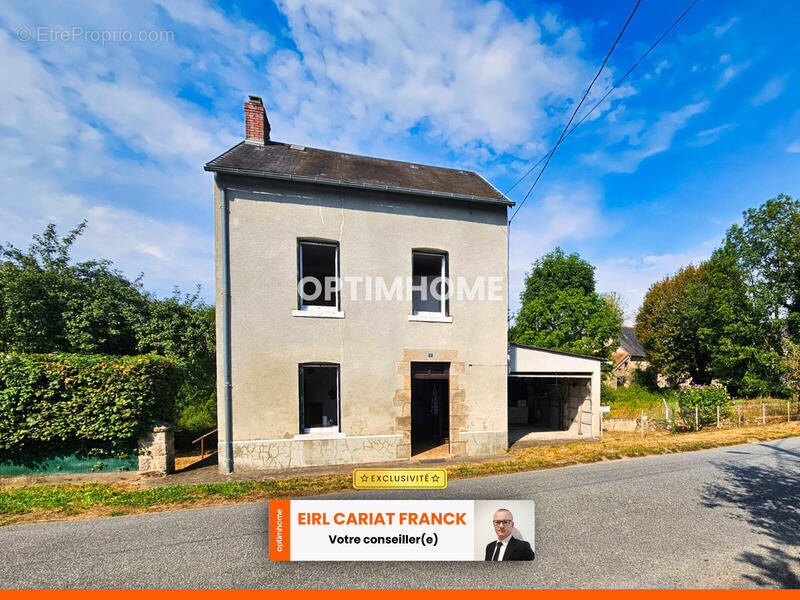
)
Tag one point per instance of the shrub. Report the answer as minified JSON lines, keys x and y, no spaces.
{"x":608,"y":395}
{"x":647,"y":378}
{"x":705,"y":398}
{"x":88,"y":405}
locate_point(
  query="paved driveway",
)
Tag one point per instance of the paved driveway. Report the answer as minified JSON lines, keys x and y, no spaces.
{"x":718,"y":518}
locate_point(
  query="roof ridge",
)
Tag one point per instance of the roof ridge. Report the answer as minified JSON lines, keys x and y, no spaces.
{"x":394,"y":160}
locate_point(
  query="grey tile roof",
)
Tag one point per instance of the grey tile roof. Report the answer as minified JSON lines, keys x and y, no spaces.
{"x":629,"y":342}
{"x":301,"y":163}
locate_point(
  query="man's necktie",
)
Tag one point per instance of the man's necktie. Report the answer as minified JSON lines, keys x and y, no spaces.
{"x":497,"y":547}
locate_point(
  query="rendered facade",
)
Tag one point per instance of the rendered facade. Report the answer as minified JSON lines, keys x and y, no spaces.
{"x":364,"y":374}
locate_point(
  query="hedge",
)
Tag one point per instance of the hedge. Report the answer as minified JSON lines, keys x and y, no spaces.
{"x":87,"y":405}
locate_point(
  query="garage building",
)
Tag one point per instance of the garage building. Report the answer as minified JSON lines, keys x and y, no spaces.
{"x":552,"y":395}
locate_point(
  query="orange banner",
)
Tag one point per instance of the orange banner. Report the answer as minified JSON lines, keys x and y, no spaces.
{"x":279,"y":520}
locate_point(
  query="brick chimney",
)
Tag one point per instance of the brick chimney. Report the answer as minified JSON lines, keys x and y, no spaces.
{"x":256,"y":124}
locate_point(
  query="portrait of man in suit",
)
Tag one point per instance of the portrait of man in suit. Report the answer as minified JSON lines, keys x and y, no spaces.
{"x":506,"y":546}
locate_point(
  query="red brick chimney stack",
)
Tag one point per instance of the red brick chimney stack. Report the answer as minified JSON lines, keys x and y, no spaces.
{"x":256,"y":124}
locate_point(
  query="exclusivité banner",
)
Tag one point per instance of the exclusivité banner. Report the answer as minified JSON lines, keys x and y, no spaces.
{"x":401,"y":530}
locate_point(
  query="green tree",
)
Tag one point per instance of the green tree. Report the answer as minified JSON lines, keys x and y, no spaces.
{"x":767,"y":247}
{"x":702,"y":324}
{"x":662,"y":327}
{"x":791,"y":367}
{"x":618,"y":304}
{"x":48,"y":303}
{"x":561,"y":308}
{"x":182,"y":327}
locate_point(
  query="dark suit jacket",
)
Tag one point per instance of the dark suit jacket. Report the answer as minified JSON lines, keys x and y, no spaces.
{"x":515,"y":550}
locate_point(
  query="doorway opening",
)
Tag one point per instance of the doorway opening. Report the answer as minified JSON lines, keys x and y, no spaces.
{"x":549,"y":409}
{"x":430,"y":410}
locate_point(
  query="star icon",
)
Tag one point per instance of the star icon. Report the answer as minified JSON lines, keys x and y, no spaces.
{"x":363,"y":479}
{"x":435,"y":478}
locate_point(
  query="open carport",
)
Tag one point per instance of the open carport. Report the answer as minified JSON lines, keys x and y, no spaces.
{"x":552,"y":396}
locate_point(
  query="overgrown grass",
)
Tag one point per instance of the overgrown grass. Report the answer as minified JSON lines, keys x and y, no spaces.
{"x":628,"y":402}
{"x":47,"y":502}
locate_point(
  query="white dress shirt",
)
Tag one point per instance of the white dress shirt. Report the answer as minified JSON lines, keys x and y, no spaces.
{"x":504,"y":541}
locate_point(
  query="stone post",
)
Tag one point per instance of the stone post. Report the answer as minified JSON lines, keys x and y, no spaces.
{"x":157,"y":450}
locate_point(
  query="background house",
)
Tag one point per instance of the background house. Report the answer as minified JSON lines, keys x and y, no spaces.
{"x":628,"y":358}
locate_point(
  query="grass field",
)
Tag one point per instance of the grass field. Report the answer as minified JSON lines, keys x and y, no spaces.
{"x":58,"y":502}
{"x":628,"y":402}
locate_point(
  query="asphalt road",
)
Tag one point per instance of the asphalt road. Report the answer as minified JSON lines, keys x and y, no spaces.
{"x":719,"y":518}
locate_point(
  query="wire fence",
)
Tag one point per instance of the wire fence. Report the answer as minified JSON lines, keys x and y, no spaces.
{"x":671,"y":417}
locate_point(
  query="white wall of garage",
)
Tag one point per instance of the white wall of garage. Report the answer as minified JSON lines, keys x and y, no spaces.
{"x":527,"y":360}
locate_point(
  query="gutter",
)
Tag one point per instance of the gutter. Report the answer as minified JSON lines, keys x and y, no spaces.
{"x":227,"y":379}
{"x":357,"y":185}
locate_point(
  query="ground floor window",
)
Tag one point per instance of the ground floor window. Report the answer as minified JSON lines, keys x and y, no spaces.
{"x":319,"y":398}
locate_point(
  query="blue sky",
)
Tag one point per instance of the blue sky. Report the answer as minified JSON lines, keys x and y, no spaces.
{"x":117,"y":132}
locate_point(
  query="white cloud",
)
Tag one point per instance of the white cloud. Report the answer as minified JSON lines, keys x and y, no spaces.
{"x":794,"y":147}
{"x":709,"y":136}
{"x":729,"y":73}
{"x":469,"y":75}
{"x":565,"y":214}
{"x":771,"y":90}
{"x":164,"y":129}
{"x":167,"y":251}
{"x":551,"y":23}
{"x":108,"y":142}
{"x":721,"y":30}
{"x":643,"y":141}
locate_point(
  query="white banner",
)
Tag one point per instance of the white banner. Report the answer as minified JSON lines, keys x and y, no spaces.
{"x":401,"y":530}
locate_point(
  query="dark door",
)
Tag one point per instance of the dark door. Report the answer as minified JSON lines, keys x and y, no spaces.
{"x":430,"y":405}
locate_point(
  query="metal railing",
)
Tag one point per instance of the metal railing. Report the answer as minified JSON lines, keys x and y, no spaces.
{"x":202,"y":440}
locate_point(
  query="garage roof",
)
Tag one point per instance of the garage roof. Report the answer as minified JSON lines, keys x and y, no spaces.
{"x":531,"y":359}
{"x":561,"y":352}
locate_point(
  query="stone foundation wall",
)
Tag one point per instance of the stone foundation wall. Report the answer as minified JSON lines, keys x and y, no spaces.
{"x":620,"y":424}
{"x":310,"y":452}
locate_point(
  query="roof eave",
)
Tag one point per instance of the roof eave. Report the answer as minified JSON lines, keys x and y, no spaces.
{"x":357,"y":185}
{"x":561,"y":352}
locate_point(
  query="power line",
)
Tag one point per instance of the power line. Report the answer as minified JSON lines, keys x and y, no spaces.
{"x":633,"y":66}
{"x":577,"y":108}
{"x":616,"y":84}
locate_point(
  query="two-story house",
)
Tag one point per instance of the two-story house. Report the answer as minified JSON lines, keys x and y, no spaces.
{"x":361,"y":306}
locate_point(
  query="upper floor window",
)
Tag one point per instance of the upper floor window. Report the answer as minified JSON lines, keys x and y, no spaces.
{"x":429,"y":280}
{"x":318,"y":276}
